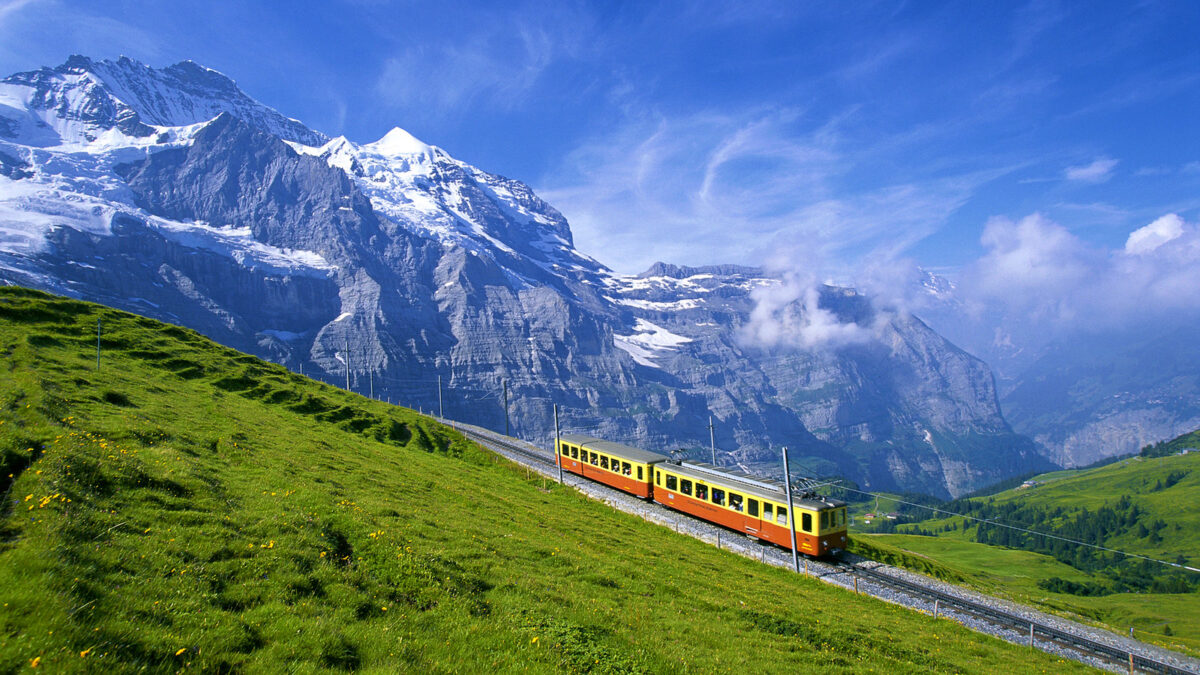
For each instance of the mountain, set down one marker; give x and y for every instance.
(1086, 394)
(1094, 397)
(417, 278)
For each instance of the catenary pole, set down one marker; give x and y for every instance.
(787, 482)
(712, 440)
(441, 412)
(346, 344)
(506, 408)
(557, 445)
(97, 344)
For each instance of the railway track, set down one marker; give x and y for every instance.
(1086, 647)
(1108, 653)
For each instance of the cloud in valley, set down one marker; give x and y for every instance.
(789, 314)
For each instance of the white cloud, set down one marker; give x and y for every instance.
(1098, 171)
(1145, 240)
(1041, 277)
(789, 314)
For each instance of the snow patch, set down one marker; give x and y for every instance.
(648, 342)
(678, 305)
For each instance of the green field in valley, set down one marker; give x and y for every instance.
(188, 507)
(1163, 490)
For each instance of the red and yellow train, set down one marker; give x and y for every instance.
(752, 506)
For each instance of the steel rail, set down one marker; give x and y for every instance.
(999, 617)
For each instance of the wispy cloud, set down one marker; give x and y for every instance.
(497, 63)
(1098, 171)
(743, 186)
(60, 26)
(10, 7)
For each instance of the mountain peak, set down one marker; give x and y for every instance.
(399, 142)
(84, 97)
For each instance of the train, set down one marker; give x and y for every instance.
(750, 505)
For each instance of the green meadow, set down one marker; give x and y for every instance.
(190, 508)
(1165, 491)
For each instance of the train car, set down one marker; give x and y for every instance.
(752, 506)
(621, 466)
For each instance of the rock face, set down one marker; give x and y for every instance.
(391, 264)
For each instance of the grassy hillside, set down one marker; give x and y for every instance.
(190, 507)
(1154, 499)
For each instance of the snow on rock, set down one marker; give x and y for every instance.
(648, 341)
(239, 244)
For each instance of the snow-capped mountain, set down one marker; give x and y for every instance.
(171, 193)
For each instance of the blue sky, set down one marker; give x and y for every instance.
(836, 135)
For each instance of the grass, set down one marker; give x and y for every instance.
(1014, 573)
(188, 507)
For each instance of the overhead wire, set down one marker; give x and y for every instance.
(1018, 528)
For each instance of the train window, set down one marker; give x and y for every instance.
(841, 517)
(640, 474)
(574, 453)
(626, 469)
(701, 491)
(595, 459)
(685, 486)
(768, 511)
(824, 520)
(658, 478)
(603, 462)
(718, 497)
(781, 516)
(806, 522)
(752, 508)
(735, 501)
(670, 482)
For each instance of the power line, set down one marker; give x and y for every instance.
(1019, 529)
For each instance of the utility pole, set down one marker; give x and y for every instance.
(557, 445)
(371, 379)
(506, 408)
(787, 482)
(346, 344)
(441, 412)
(712, 440)
(97, 343)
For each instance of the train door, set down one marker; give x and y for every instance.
(753, 522)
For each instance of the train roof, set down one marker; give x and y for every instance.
(615, 449)
(763, 488)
